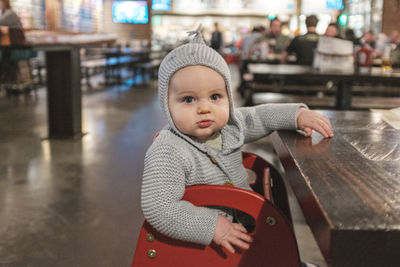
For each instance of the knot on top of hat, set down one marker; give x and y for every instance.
(198, 38)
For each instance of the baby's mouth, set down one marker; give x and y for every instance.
(204, 123)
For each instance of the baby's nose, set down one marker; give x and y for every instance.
(203, 108)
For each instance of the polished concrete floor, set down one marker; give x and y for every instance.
(76, 202)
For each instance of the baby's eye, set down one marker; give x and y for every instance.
(215, 97)
(188, 99)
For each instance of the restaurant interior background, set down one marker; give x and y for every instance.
(168, 20)
(72, 195)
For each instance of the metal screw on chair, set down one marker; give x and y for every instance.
(151, 253)
(271, 220)
(150, 237)
(228, 183)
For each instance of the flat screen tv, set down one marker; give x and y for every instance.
(161, 5)
(334, 4)
(130, 12)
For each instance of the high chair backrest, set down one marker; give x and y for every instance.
(274, 241)
(273, 188)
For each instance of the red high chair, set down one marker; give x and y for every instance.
(274, 241)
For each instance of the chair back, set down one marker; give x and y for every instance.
(273, 187)
(274, 241)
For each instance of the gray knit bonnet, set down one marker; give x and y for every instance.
(195, 52)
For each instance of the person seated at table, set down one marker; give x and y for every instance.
(350, 35)
(277, 41)
(396, 56)
(368, 39)
(332, 31)
(394, 37)
(244, 49)
(274, 42)
(394, 41)
(303, 46)
(7, 16)
(384, 44)
(14, 61)
(249, 40)
(201, 144)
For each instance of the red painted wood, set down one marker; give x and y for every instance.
(274, 245)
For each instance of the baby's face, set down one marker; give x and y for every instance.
(198, 101)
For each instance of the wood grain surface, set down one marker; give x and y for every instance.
(348, 187)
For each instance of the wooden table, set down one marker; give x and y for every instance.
(344, 80)
(64, 99)
(348, 187)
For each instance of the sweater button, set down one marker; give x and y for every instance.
(213, 160)
(228, 183)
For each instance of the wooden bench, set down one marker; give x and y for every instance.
(92, 66)
(148, 66)
(328, 102)
(101, 60)
(151, 67)
(111, 66)
(252, 88)
(377, 90)
(365, 96)
(266, 77)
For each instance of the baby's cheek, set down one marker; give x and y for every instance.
(182, 124)
(226, 116)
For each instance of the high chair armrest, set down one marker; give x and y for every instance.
(226, 196)
(274, 243)
(274, 240)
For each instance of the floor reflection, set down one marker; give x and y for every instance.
(74, 202)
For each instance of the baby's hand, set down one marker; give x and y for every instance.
(308, 120)
(228, 234)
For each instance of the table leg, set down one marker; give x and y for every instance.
(343, 95)
(64, 100)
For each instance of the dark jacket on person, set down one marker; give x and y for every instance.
(216, 40)
(304, 46)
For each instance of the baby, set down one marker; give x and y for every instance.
(201, 144)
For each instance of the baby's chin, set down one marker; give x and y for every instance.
(203, 137)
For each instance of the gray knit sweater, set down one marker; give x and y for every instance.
(174, 162)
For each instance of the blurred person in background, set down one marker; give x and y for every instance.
(271, 44)
(368, 39)
(394, 39)
(7, 16)
(244, 49)
(249, 40)
(216, 38)
(14, 63)
(349, 35)
(332, 31)
(385, 44)
(303, 46)
(276, 40)
(396, 57)
(381, 43)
